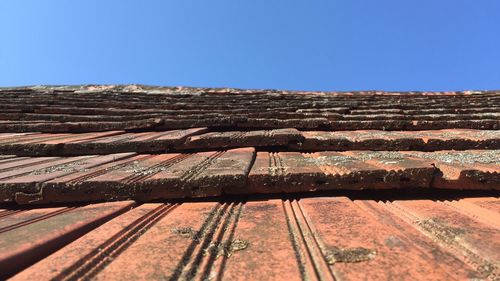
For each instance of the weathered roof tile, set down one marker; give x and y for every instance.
(232, 177)
(319, 238)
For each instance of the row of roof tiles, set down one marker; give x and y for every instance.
(308, 239)
(230, 123)
(115, 113)
(76, 112)
(67, 144)
(305, 239)
(188, 101)
(239, 171)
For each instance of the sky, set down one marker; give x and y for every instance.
(330, 45)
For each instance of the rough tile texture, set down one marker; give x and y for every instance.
(27, 180)
(202, 139)
(102, 108)
(318, 238)
(432, 140)
(225, 184)
(84, 143)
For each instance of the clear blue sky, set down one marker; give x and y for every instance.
(285, 44)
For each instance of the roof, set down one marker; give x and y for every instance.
(318, 238)
(173, 182)
(36, 180)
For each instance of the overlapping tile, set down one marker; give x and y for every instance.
(239, 171)
(95, 143)
(455, 139)
(53, 110)
(124, 176)
(460, 234)
(20, 247)
(300, 172)
(262, 138)
(26, 175)
(471, 169)
(106, 143)
(320, 238)
(356, 240)
(203, 139)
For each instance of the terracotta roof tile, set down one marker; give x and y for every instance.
(200, 139)
(53, 228)
(237, 184)
(239, 171)
(456, 139)
(50, 110)
(270, 239)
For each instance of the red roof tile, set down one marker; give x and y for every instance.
(71, 110)
(199, 139)
(398, 173)
(34, 233)
(311, 238)
(239, 171)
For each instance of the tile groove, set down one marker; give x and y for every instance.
(7, 213)
(233, 215)
(76, 161)
(230, 238)
(218, 227)
(156, 168)
(30, 164)
(304, 261)
(110, 169)
(36, 219)
(199, 168)
(475, 212)
(212, 219)
(461, 250)
(314, 241)
(90, 265)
